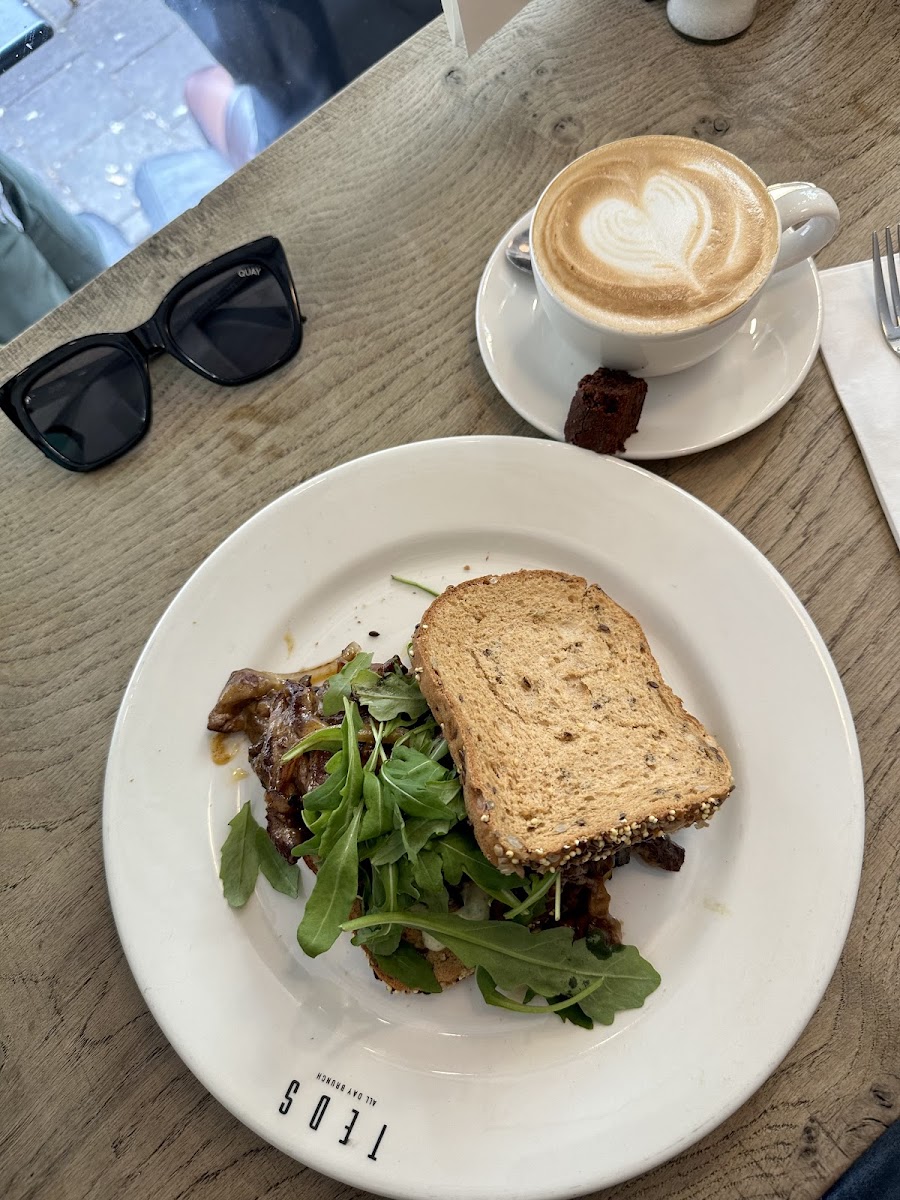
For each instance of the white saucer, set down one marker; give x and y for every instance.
(741, 386)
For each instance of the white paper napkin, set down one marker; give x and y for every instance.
(472, 22)
(866, 376)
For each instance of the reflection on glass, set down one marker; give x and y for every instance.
(131, 111)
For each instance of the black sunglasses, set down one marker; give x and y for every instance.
(232, 321)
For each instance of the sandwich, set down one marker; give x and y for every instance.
(463, 814)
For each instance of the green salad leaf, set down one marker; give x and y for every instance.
(328, 794)
(248, 850)
(410, 967)
(547, 961)
(282, 875)
(384, 895)
(352, 723)
(409, 839)
(406, 884)
(329, 737)
(379, 818)
(412, 583)
(419, 786)
(539, 886)
(427, 871)
(240, 858)
(489, 991)
(389, 697)
(462, 856)
(332, 898)
(339, 686)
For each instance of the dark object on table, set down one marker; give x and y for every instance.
(232, 321)
(21, 31)
(605, 410)
(875, 1175)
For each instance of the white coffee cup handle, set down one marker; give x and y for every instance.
(809, 220)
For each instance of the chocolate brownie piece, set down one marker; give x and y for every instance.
(605, 410)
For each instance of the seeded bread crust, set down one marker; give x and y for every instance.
(569, 742)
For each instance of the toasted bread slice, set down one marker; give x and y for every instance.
(568, 741)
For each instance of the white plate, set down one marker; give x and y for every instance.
(744, 384)
(469, 1101)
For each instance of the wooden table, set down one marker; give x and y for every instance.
(388, 201)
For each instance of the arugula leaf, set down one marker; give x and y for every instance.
(332, 897)
(282, 875)
(329, 737)
(380, 941)
(563, 1007)
(387, 879)
(427, 871)
(406, 884)
(540, 886)
(421, 738)
(379, 818)
(548, 961)
(408, 775)
(439, 749)
(328, 794)
(387, 698)
(574, 1013)
(353, 785)
(560, 1004)
(445, 790)
(629, 980)
(411, 967)
(598, 945)
(417, 834)
(316, 823)
(412, 583)
(376, 752)
(396, 723)
(437, 901)
(462, 856)
(339, 685)
(384, 939)
(334, 830)
(240, 858)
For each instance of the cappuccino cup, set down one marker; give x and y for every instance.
(650, 253)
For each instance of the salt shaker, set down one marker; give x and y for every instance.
(711, 20)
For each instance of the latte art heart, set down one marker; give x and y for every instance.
(662, 236)
(655, 234)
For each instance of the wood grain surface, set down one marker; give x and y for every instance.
(388, 201)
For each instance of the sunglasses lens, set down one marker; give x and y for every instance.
(92, 406)
(236, 324)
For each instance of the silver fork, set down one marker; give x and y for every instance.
(888, 313)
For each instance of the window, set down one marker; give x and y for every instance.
(117, 115)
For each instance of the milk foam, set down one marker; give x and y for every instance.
(661, 236)
(655, 233)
